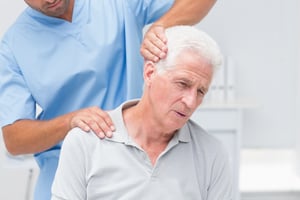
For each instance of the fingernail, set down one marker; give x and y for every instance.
(112, 128)
(162, 55)
(100, 135)
(87, 129)
(108, 134)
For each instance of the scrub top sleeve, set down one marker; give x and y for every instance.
(148, 11)
(70, 180)
(221, 177)
(16, 101)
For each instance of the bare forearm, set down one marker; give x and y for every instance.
(186, 12)
(33, 136)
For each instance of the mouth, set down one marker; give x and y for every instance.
(52, 5)
(181, 114)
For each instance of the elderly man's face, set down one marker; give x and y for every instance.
(176, 93)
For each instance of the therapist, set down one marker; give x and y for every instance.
(72, 57)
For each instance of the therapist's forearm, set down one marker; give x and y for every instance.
(186, 12)
(33, 136)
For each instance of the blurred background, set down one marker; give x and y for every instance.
(253, 105)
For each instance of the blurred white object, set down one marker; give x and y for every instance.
(268, 171)
(24, 168)
(230, 80)
(222, 89)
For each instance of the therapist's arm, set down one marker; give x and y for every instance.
(183, 12)
(34, 136)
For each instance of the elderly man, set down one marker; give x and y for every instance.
(157, 152)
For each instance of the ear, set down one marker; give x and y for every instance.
(149, 71)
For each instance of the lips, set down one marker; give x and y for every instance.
(181, 114)
(54, 4)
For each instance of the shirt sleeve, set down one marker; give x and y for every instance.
(221, 177)
(70, 180)
(16, 101)
(148, 11)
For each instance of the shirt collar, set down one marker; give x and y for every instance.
(121, 134)
(41, 17)
(184, 134)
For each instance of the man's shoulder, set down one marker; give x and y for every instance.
(202, 136)
(197, 131)
(77, 135)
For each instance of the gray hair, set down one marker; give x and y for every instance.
(184, 38)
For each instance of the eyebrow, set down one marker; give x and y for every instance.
(186, 80)
(190, 82)
(204, 89)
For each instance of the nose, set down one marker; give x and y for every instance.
(191, 99)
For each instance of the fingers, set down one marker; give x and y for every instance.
(154, 46)
(93, 119)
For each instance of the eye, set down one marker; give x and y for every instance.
(182, 84)
(201, 92)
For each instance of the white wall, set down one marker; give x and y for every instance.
(9, 10)
(260, 36)
(298, 97)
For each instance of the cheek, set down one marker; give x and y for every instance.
(199, 102)
(160, 89)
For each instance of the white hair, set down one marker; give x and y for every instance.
(184, 38)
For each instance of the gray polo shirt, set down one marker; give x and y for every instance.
(194, 166)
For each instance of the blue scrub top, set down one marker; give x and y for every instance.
(63, 66)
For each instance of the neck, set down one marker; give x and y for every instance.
(145, 131)
(68, 15)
